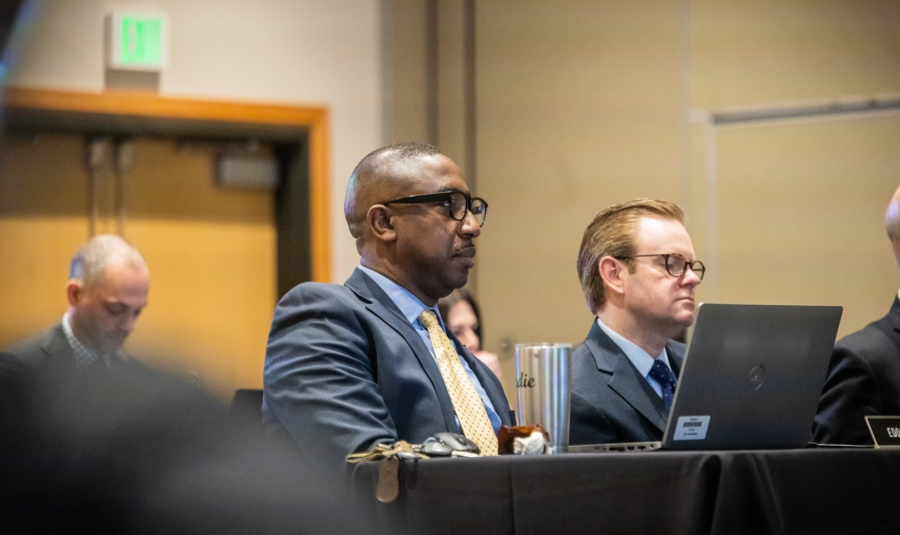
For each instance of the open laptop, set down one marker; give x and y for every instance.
(751, 379)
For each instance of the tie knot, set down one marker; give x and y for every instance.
(662, 374)
(428, 320)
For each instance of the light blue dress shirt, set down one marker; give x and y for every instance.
(640, 358)
(411, 308)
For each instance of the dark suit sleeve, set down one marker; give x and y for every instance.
(319, 377)
(850, 393)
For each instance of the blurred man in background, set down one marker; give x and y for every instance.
(864, 375)
(107, 290)
(638, 273)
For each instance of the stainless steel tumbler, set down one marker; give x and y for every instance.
(543, 387)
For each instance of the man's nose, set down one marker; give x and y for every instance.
(469, 225)
(690, 277)
(127, 323)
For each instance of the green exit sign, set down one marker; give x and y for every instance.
(137, 41)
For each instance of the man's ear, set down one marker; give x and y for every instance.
(379, 220)
(74, 291)
(612, 272)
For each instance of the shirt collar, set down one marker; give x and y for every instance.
(84, 356)
(410, 306)
(640, 358)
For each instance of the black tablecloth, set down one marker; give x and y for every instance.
(725, 492)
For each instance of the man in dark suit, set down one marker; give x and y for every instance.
(107, 290)
(638, 274)
(348, 367)
(864, 374)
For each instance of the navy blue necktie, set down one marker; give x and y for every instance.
(661, 373)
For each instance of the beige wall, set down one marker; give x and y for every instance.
(792, 211)
(578, 108)
(582, 104)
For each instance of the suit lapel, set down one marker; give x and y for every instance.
(676, 357)
(384, 308)
(625, 380)
(57, 348)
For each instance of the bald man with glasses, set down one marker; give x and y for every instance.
(368, 362)
(638, 274)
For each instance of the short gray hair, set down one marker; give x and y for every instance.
(89, 263)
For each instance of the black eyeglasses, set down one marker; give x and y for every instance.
(458, 202)
(676, 265)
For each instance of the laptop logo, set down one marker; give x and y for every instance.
(757, 377)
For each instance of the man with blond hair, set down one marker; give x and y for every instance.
(864, 375)
(638, 274)
(107, 290)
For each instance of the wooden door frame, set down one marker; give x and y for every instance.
(308, 122)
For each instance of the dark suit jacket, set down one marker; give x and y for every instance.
(611, 401)
(345, 370)
(863, 379)
(45, 353)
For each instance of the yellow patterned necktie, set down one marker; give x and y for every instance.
(466, 402)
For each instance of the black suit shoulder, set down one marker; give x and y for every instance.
(47, 352)
(863, 379)
(29, 350)
(321, 301)
(330, 308)
(874, 339)
(314, 292)
(46, 349)
(29, 363)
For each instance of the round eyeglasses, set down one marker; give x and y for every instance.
(458, 203)
(676, 265)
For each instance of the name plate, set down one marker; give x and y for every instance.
(885, 430)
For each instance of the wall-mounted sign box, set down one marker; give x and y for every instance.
(137, 41)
